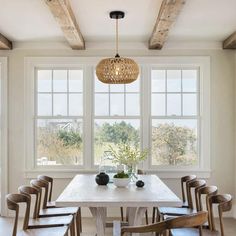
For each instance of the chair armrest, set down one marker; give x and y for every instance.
(157, 227)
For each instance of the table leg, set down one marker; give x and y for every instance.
(139, 215)
(131, 214)
(135, 215)
(99, 213)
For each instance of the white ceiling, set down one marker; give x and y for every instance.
(200, 20)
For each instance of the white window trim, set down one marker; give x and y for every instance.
(203, 62)
(4, 133)
(38, 117)
(196, 117)
(122, 117)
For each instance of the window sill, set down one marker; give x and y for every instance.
(176, 174)
(58, 173)
(70, 173)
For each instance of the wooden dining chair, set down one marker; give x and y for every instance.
(48, 203)
(178, 211)
(206, 191)
(139, 172)
(224, 202)
(184, 181)
(38, 212)
(194, 220)
(13, 201)
(46, 222)
(41, 216)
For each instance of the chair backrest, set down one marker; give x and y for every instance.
(41, 184)
(28, 190)
(50, 181)
(187, 221)
(193, 184)
(224, 202)
(13, 201)
(207, 191)
(184, 180)
(141, 172)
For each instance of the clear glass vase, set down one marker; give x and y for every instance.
(132, 172)
(107, 166)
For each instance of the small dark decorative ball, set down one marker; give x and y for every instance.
(102, 178)
(139, 183)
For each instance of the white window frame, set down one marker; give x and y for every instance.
(203, 169)
(146, 63)
(196, 117)
(123, 117)
(52, 117)
(31, 64)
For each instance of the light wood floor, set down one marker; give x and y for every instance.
(89, 227)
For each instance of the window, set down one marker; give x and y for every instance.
(59, 117)
(175, 117)
(71, 118)
(117, 116)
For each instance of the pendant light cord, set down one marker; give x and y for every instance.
(117, 54)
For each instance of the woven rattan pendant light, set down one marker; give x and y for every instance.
(117, 70)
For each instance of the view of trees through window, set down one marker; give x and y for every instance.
(112, 133)
(59, 142)
(174, 142)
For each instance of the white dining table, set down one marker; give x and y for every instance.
(83, 191)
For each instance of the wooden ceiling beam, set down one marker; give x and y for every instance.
(167, 15)
(63, 14)
(230, 42)
(5, 44)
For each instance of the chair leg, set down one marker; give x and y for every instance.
(146, 216)
(80, 220)
(72, 228)
(78, 224)
(166, 233)
(122, 213)
(153, 215)
(158, 217)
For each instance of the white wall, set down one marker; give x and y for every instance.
(222, 113)
(235, 138)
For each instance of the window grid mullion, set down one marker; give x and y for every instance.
(52, 93)
(125, 112)
(181, 94)
(173, 92)
(166, 92)
(60, 92)
(109, 100)
(116, 92)
(67, 82)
